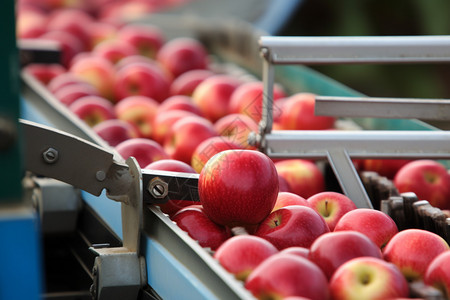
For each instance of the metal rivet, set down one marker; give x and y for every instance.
(100, 175)
(158, 188)
(50, 155)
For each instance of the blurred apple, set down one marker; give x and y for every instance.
(115, 131)
(241, 254)
(69, 44)
(287, 198)
(180, 102)
(331, 206)
(237, 127)
(93, 109)
(186, 83)
(185, 135)
(73, 21)
(196, 223)
(164, 120)
(283, 275)
(100, 32)
(238, 187)
(248, 98)
(147, 39)
(294, 225)
(384, 167)
(70, 93)
(64, 79)
(331, 250)
(303, 176)
(143, 79)
(145, 151)
(183, 54)
(97, 71)
(368, 278)
(412, 250)
(31, 22)
(298, 114)
(139, 111)
(375, 224)
(210, 147)
(213, 95)
(172, 165)
(283, 185)
(428, 179)
(437, 273)
(114, 50)
(44, 72)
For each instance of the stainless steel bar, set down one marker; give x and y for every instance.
(350, 182)
(356, 49)
(397, 108)
(359, 144)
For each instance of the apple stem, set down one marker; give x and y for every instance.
(239, 230)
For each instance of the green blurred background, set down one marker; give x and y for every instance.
(379, 17)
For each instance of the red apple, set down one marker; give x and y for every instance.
(375, 224)
(238, 187)
(180, 102)
(368, 278)
(100, 32)
(139, 111)
(437, 273)
(114, 50)
(247, 100)
(163, 122)
(115, 131)
(300, 251)
(31, 22)
(143, 79)
(132, 59)
(287, 198)
(294, 225)
(183, 54)
(283, 275)
(70, 93)
(303, 176)
(210, 147)
(331, 250)
(186, 83)
(384, 167)
(241, 254)
(69, 44)
(63, 80)
(196, 223)
(44, 72)
(331, 206)
(97, 71)
(213, 95)
(237, 127)
(143, 150)
(298, 114)
(412, 250)
(73, 21)
(93, 109)
(172, 165)
(147, 39)
(185, 135)
(428, 179)
(283, 185)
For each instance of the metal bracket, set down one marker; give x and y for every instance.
(340, 147)
(119, 273)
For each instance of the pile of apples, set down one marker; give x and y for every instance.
(269, 222)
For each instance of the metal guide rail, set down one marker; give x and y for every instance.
(340, 147)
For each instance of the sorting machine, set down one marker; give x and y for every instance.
(81, 223)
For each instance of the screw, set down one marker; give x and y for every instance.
(100, 175)
(158, 188)
(50, 155)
